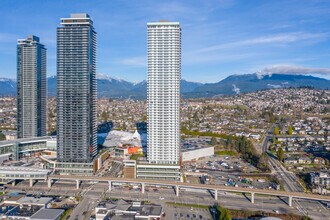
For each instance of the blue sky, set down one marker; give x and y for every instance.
(219, 37)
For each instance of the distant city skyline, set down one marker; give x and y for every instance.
(221, 38)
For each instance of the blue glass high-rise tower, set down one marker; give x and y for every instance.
(76, 93)
(31, 88)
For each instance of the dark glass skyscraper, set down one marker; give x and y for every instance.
(76, 92)
(31, 88)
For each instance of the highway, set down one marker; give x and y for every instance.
(288, 179)
(92, 193)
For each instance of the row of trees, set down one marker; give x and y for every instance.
(245, 147)
(277, 130)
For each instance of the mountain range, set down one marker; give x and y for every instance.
(108, 87)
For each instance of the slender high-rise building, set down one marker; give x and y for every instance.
(76, 95)
(164, 68)
(164, 73)
(31, 88)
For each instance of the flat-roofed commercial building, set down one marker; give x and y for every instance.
(196, 153)
(25, 147)
(158, 172)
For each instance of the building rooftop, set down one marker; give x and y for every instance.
(27, 140)
(79, 15)
(47, 214)
(115, 138)
(146, 210)
(34, 201)
(24, 210)
(123, 217)
(77, 19)
(28, 40)
(163, 22)
(24, 170)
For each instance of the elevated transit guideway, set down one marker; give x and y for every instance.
(178, 185)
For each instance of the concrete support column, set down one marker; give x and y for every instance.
(110, 185)
(142, 187)
(252, 197)
(77, 184)
(13, 183)
(49, 183)
(31, 182)
(290, 201)
(216, 194)
(177, 189)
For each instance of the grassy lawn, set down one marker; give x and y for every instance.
(188, 205)
(136, 156)
(66, 214)
(225, 152)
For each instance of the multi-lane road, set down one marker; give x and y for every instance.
(288, 179)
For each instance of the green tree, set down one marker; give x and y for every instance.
(196, 116)
(2, 137)
(263, 162)
(214, 141)
(280, 154)
(105, 116)
(124, 127)
(290, 130)
(276, 131)
(274, 140)
(224, 214)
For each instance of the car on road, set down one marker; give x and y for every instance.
(161, 198)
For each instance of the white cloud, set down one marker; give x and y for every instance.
(273, 39)
(288, 69)
(236, 89)
(139, 61)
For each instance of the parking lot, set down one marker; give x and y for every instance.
(225, 170)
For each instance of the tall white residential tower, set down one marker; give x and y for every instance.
(164, 73)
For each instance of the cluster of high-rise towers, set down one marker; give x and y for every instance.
(76, 96)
